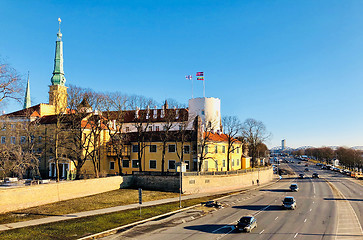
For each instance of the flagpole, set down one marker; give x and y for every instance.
(192, 88)
(204, 87)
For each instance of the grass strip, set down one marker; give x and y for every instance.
(114, 198)
(77, 228)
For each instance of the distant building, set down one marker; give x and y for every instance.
(283, 144)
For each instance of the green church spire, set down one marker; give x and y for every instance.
(58, 73)
(27, 102)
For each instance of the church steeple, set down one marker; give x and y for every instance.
(27, 102)
(57, 91)
(58, 73)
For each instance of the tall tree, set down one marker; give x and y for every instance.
(255, 133)
(232, 127)
(10, 83)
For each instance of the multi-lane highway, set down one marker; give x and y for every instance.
(327, 208)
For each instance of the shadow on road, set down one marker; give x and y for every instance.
(275, 190)
(260, 207)
(339, 199)
(213, 228)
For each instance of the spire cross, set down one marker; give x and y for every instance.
(59, 35)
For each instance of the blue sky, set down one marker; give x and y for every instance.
(297, 66)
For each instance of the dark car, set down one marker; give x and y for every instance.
(306, 169)
(298, 162)
(246, 223)
(301, 175)
(315, 175)
(294, 187)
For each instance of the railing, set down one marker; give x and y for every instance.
(234, 172)
(111, 151)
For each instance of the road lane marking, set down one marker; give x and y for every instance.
(225, 226)
(261, 210)
(310, 209)
(296, 235)
(262, 231)
(305, 220)
(276, 218)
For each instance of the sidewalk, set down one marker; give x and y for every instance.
(52, 219)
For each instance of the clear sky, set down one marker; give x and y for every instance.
(297, 66)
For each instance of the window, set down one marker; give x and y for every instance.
(216, 150)
(187, 149)
(223, 149)
(224, 163)
(126, 163)
(232, 162)
(127, 129)
(51, 150)
(157, 128)
(171, 165)
(22, 139)
(12, 126)
(12, 140)
(237, 150)
(112, 165)
(152, 164)
(186, 165)
(202, 112)
(150, 128)
(237, 162)
(216, 165)
(171, 147)
(135, 163)
(3, 140)
(152, 148)
(39, 139)
(135, 148)
(206, 149)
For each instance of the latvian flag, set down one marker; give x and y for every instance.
(189, 77)
(200, 76)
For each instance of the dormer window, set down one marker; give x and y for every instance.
(162, 113)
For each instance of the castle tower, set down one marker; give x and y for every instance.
(209, 110)
(58, 91)
(27, 101)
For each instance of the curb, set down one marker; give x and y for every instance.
(115, 230)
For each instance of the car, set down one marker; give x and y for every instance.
(315, 175)
(289, 203)
(306, 165)
(301, 176)
(294, 187)
(306, 169)
(298, 162)
(246, 223)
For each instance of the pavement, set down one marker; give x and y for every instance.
(65, 217)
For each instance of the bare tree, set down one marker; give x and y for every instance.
(142, 121)
(114, 118)
(255, 133)
(10, 83)
(232, 128)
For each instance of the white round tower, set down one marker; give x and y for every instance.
(209, 109)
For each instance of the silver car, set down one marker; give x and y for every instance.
(289, 203)
(246, 223)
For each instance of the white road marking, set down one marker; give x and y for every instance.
(263, 209)
(296, 235)
(276, 218)
(310, 209)
(305, 220)
(262, 231)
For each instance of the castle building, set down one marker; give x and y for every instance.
(84, 142)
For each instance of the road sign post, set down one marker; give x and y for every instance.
(181, 167)
(140, 199)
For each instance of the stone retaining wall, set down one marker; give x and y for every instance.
(29, 196)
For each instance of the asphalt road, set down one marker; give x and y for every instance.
(321, 213)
